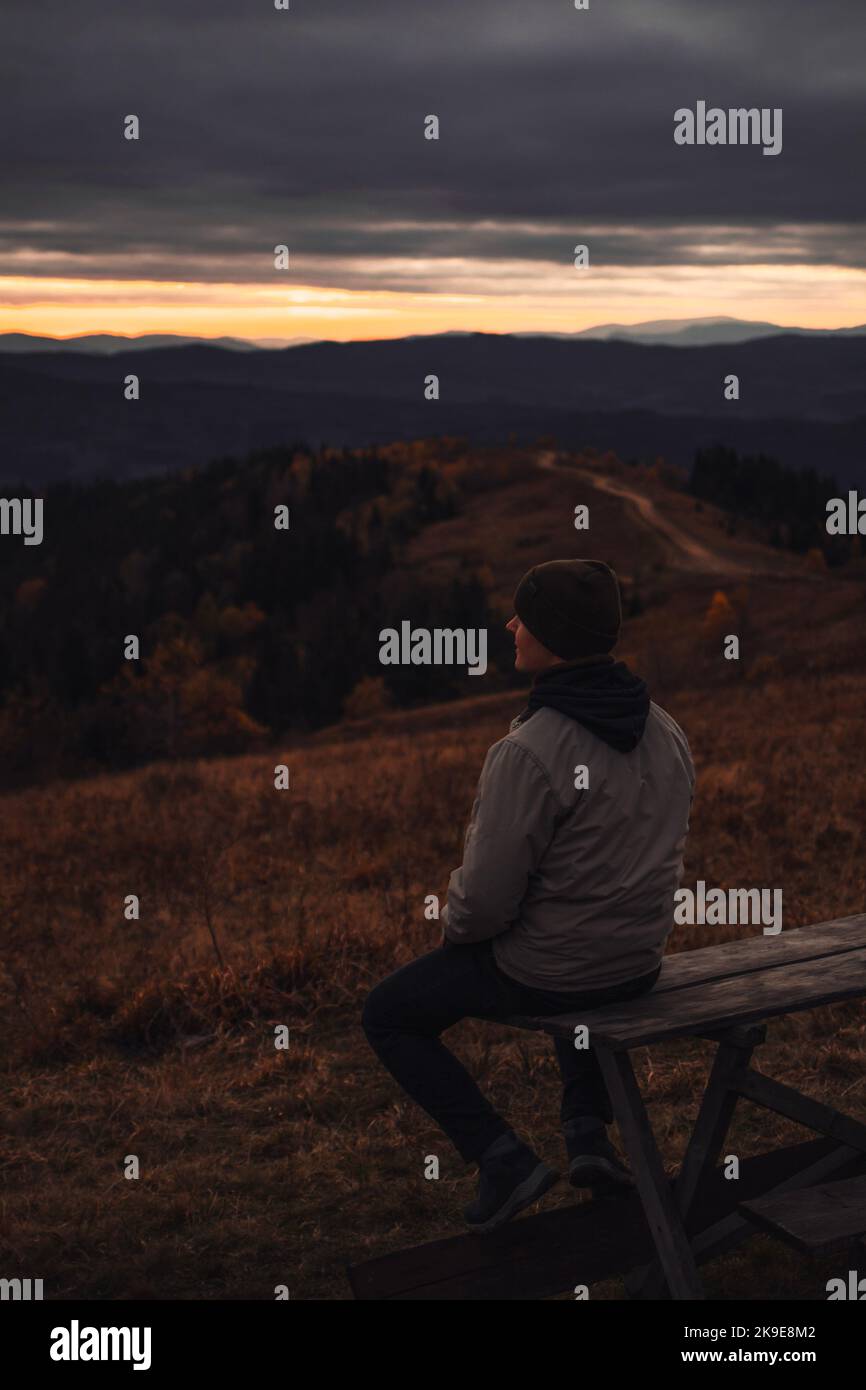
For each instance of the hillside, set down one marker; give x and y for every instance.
(63, 414)
(155, 1036)
(228, 608)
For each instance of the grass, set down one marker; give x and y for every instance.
(154, 1036)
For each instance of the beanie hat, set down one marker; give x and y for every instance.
(572, 607)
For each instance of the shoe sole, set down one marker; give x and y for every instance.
(598, 1173)
(527, 1192)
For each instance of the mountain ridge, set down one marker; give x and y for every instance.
(801, 400)
(702, 331)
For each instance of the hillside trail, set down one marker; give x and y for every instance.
(683, 551)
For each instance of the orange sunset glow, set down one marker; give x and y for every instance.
(519, 296)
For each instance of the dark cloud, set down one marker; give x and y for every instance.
(305, 127)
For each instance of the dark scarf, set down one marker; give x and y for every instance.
(604, 696)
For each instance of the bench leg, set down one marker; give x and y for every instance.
(784, 1100)
(670, 1239)
(711, 1127)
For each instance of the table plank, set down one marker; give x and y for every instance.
(685, 969)
(787, 987)
(747, 954)
(819, 1221)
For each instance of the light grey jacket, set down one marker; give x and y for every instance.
(576, 887)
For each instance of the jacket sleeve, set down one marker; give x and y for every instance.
(513, 820)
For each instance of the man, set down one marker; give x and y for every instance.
(565, 897)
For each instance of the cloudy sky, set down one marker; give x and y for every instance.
(306, 127)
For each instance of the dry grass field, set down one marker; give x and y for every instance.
(155, 1037)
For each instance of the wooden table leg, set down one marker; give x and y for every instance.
(711, 1126)
(784, 1100)
(662, 1216)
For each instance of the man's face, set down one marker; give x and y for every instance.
(529, 655)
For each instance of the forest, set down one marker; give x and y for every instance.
(246, 631)
(788, 503)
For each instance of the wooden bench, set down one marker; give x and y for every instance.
(550, 1253)
(821, 1221)
(721, 993)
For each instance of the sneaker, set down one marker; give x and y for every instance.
(593, 1161)
(512, 1177)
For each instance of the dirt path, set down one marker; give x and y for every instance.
(683, 551)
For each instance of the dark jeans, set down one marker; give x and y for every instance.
(404, 1015)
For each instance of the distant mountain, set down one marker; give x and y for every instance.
(111, 343)
(698, 332)
(63, 414)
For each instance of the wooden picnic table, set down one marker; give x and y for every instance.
(722, 993)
